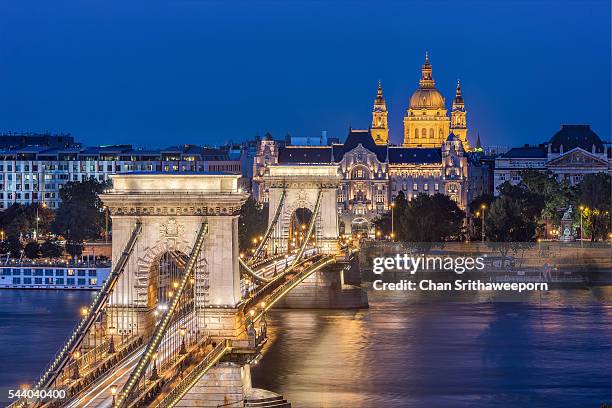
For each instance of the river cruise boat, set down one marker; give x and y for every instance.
(87, 276)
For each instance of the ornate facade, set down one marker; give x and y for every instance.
(380, 123)
(572, 152)
(426, 123)
(372, 175)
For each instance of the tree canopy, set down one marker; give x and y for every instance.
(594, 194)
(79, 216)
(253, 222)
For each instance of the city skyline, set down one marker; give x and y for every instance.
(143, 82)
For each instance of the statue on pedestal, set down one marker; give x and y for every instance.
(567, 233)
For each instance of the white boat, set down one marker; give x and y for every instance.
(53, 276)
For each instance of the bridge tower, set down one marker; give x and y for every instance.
(298, 188)
(171, 209)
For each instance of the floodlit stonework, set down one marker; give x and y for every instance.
(172, 208)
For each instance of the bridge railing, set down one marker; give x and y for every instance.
(212, 358)
(271, 226)
(271, 295)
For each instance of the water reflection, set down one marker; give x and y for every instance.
(546, 351)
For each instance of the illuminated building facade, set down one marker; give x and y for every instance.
(570, 154)
(426, 123)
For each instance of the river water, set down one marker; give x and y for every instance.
(551, 350)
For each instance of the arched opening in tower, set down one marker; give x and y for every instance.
(164, 281)
(298, 227)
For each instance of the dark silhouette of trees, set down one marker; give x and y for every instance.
(253, 222)
(80, 215)
(594, 193)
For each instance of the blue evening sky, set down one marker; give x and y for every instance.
(161, 72)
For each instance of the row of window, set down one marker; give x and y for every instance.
(47, 272)
(55, 281)
(423, 133)
(415, 186)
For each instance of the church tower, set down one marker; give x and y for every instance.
(380, 127)
(426, 123)
(458, 117)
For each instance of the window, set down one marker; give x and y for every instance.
(425, 186)
(81, 281)
(423, 133)
(431, 133)
(16, 281)
(81, 273)
(27, 272)
(6, 272)
(48, 281)
(38, 272)
(416, 133)
(59, 281)
(436, 187)
(70, 272)
(93, 281)
(48, 272)
(92, 272)
(59, 272)
(415, 186)
(38, 281)
(70, 281)
(16, 271)
(27, 281)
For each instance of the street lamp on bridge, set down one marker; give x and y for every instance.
(113, 391)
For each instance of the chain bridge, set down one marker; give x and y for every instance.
(182, 316)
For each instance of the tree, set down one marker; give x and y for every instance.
(50, 249)
(556, 196)
(13, 246)
(531, 203)
(382, 224)
(20, 220)
(594, 194)
(431, 219)
(32, 250)
(398, 207)
(253, 222)
(475, 208)
(507, 226)
(80, 214)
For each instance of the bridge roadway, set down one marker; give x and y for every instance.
(98, 394)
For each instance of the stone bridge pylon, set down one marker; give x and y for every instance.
(297, 188)
(171, 209)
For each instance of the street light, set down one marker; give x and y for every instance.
(483, 207)
(111, 345)
(183, 332)
(392, 226)
(105, 224)
(154, 374)
(76, 355)
(113, 391)
(582, 208)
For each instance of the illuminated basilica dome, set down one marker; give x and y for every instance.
(426, 96)
(426, 123)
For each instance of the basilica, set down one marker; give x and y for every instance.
(435, 157)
